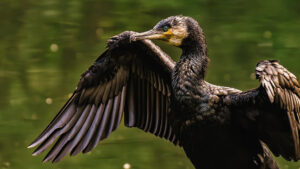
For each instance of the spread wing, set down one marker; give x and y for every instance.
(274, 109)
(130, 78)
(283, 92)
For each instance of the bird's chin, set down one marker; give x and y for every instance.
(175, 42)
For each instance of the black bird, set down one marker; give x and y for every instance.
(218, 127)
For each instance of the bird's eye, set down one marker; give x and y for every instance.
(166, 28)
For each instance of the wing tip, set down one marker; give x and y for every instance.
(75, 152)
(35, 153)
(34, 143)
(47, 159)
(31, 145)
(56, 160)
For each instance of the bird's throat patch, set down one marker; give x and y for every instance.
(175, 35)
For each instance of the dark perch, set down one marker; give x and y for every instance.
(218, 127)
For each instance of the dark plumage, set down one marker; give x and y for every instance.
(218, 127)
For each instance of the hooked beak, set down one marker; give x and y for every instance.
(151, 34)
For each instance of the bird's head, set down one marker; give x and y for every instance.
(173, 30)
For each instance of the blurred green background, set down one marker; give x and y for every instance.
(46, 44)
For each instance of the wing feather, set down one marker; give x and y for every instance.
(133, 79)
(59, 121)
(82, 114)
(282, 89)
(91, 129)
(94, 134)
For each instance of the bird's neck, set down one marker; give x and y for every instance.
(189, 72)
(194, 59)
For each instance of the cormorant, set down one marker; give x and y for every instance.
(218, 127)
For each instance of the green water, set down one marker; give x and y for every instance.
(46, 44)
